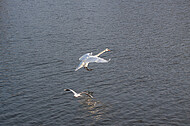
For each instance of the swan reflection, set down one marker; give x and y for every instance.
(95, 108)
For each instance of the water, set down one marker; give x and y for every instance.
(146, 82)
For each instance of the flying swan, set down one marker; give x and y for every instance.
(89, 58)
(80, 94)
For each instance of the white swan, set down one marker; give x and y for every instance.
(80, 94)
(89, 58)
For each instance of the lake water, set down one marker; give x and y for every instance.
(147, 81)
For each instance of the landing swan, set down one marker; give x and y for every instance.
(89, 58)
(80, 94)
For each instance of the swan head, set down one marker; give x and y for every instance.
(107, 49)
(67, 90)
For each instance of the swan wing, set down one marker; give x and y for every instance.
(85, 56)
(96, 59)
(80, 65)
(86, 93)
(101, 60)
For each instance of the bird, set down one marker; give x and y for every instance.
(80, 94)
(89, 58)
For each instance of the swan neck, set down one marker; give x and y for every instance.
(101, 53)
(73, 92)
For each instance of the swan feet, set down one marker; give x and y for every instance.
(88, 69)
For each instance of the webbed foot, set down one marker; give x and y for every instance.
(88, 69)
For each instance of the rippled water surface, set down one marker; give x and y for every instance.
(147, 81)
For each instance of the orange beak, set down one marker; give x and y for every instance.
(109, 50)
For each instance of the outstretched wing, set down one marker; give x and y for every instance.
(96, 59)
(85, 56)
(80, 65)
(101, 60)
(86, 93)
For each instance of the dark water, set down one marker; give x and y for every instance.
(147, 82)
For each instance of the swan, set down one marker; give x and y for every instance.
(89, 58)
(80, 94)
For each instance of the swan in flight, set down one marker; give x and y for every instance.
(89, 58)
(80, 94)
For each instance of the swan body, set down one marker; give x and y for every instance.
(80, 94)
(89, 58)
